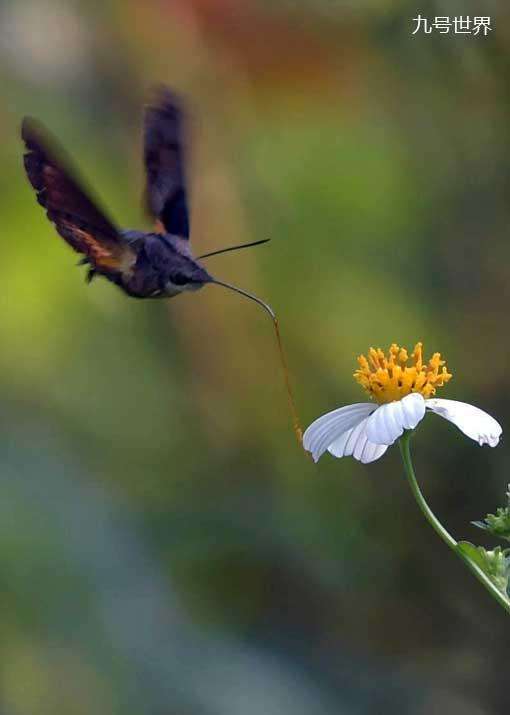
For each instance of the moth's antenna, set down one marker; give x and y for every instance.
(234, 248)
(298, 431)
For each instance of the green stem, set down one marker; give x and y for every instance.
(439, 528)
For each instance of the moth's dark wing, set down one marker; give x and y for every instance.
(164, 158)
(76, 217)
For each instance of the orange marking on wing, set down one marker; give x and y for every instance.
(86, 243)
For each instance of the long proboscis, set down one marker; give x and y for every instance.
(233, 248)
(266, 306)
(298, 431)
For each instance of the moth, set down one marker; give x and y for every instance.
(156, 264)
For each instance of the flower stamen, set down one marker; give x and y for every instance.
(389, 378)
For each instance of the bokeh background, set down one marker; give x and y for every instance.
(165, 548)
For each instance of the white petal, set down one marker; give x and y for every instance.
(390, 420)
(355, 442)
(475, 423)
(321, 433)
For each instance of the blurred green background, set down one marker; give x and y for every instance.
(165, 548)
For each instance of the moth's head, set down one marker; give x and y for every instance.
(187, 275)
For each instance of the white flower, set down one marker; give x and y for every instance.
(365, 430)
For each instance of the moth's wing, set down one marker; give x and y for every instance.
(76, 217)
(166, 192)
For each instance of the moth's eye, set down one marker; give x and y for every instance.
(179, 279)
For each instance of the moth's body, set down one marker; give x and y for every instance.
(159, 266)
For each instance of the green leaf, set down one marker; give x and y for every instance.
(495, 564)
(497, 524)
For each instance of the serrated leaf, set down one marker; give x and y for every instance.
(495, 564)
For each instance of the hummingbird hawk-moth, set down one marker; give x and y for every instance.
(156, 264)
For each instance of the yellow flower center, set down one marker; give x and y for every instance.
(391, 378)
